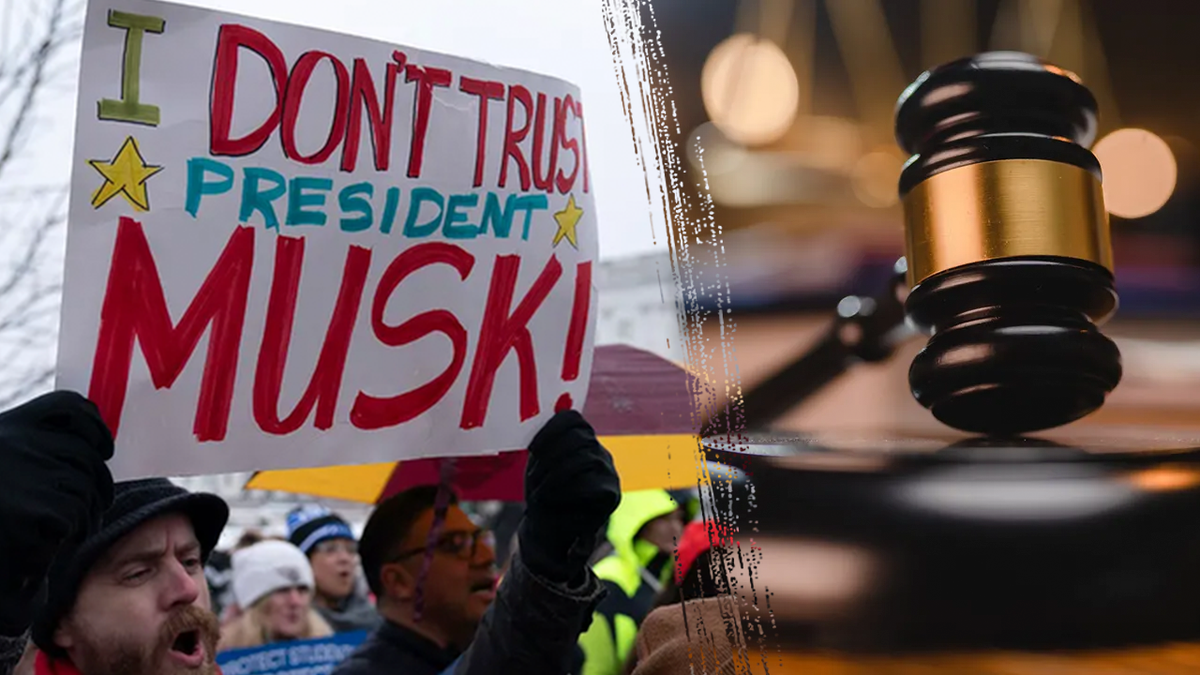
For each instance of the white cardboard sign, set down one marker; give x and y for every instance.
(293, 248)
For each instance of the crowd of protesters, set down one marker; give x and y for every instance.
(108, 579)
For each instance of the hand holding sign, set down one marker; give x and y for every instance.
(571, 488)
(319, 249)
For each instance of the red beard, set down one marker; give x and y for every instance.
(127, 659)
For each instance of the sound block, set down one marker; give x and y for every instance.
(897, 543)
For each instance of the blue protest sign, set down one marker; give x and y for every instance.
(302, 657)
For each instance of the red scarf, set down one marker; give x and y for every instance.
(44, 665)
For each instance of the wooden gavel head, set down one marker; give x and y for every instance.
(1008, 247)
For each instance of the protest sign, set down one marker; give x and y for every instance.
(293, 248)
(301, 657)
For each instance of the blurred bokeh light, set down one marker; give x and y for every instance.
(875, 177)
(750, 89)
(1139, 172)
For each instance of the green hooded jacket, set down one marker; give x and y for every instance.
(633, 572)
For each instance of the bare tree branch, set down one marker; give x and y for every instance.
(36, 68)
(37, 38)
(25, 266)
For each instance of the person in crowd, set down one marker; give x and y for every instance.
(689, 501)
(132, 597)
(274, 582)
(332, 551)
(225, 604)
(454, 584)
(439, 602)
(701, 638)
(641, 541)
(110, 579)
(698, 572)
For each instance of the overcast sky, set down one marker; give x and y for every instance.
(560, 38)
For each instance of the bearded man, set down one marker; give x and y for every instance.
(133, 598)
(110, 577)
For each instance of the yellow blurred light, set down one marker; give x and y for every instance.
(1165, 478)
(875, 178)
(750, 89)
(1139, 172)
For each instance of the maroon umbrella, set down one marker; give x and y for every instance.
(640, 404)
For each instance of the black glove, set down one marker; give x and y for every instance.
(54, 490)
(571, 488)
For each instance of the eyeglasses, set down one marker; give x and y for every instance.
(461, 544)
(330, 546)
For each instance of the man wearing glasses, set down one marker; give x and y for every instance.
(433, 571)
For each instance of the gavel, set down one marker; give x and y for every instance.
(1009, 255)
(1008, 259)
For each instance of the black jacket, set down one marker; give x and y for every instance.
(392, 648)
(531, 629)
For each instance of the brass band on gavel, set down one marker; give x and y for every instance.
(1003, 209)
(1009, 254)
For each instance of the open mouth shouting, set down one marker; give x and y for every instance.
(188, 649)
(190, 637)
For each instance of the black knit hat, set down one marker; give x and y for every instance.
(311, 524)
(134, 503)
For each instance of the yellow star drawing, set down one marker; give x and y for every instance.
(567, 219)
(125, 175)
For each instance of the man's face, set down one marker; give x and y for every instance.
(461, 579)
(664, 531)
(143, 609)
(333, 564)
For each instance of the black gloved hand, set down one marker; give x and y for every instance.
(571, 488)
(54, 490)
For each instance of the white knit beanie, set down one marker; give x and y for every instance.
(266, 567)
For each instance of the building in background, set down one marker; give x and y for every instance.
(638, 305)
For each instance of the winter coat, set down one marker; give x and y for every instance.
(530, 629)
(633, 572)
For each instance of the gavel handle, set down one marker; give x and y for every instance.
(865, 329)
